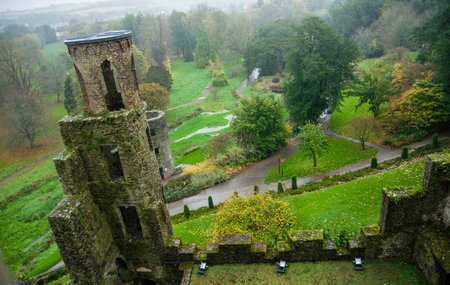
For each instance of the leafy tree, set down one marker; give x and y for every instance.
(268, 49)
(47, 34)
(368, 43)
(139, 62)
(363, 129)
(204, 51)
(182, 34)
(396, 25)
(70, 102)
(313, 140)
(219, 78)
(372, 87)
(266, 218)
(156, 96)
(320, 64)
(405, 73)
(24, 114)
(258, 124)
(349, 16)
(160, 75)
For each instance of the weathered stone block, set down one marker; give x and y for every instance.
(71, 172)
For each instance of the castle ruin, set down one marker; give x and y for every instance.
(112, 225)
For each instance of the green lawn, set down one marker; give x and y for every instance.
(197, 123)
(340, 119)
(351, 205)
(50, 51)
(192, 157)
(188, 82)
(311, 273)
(347, 206)
(24, 219)
(339, 153)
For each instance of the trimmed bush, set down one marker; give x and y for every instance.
(219, 78)
(210, 202)
(405, 153)
(294, 183)
(435, 141)
(256, 190)
(280, 188)
(187, 212)
(374, 163)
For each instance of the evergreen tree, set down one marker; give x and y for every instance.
(210, 202)
(186, 212)
(204, 51)
(69, 96)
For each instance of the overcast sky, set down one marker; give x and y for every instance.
(31, 4)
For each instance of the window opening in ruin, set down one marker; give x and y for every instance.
(131, 221)
(149, 138)
(147, 282)
(121, 264)
(157, 150)
(113, 97)
(153, 132)
(111, 154)
(161, 172)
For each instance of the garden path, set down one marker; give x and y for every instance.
(244, 182)
(205, 95)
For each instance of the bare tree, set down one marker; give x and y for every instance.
(363, 129)
(24, 114)
(15, 67)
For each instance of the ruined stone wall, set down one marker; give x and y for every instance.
(159, 136)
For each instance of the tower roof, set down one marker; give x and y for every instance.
(101, 37)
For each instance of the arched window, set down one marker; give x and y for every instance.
(113, 97)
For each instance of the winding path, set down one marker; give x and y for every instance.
(245, 181)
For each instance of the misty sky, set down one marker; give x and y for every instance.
(31, 4)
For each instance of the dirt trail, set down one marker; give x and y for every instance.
(193, 102)
(28, 167)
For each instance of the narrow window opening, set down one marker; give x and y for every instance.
(161, 172)
(113, 97)
(121, 264)
(149, 138)
(147, 282)
(111, 154)
(153, 132)
(131, 221)
(156, 150)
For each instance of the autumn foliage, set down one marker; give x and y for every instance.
(266, 218)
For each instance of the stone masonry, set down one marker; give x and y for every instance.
(112, 225)
(159, 135)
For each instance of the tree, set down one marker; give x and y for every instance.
(16, 67)
(368, 44)
(269, 48)
(160, 75)
(210, 202)
(186, 212)
(46, 34)
(24, 114)
(70, 103)
(372, 87)
(363, 129)
(139, 62)
(156, 96)
(258, 124)
(204, 50)
(219, 78)
(313, 140)
(320, 64)
(266, 218)
(349, 16)
(182, 34)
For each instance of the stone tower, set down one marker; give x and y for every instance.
(160, 142)
(112, 225)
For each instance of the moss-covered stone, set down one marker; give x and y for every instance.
(312, 235)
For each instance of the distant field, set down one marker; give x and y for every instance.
(339, 153)
(51, 50)
(311, 273)
(341, 118)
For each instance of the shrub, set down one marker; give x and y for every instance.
(266, 218)
(280, 188)
(156, 96)
(187, 212)
(405, 153)
(210, 202)
(256, 190)
(374, 162)
(219, 78)
(275, 79)
(159, 74)
(191, 184)
(294, 183)
(435, 141)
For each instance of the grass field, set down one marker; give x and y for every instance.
(188, 82)
(339, 153)
(311, 273)
(51, 50)
(341, 118)
(347, 206)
